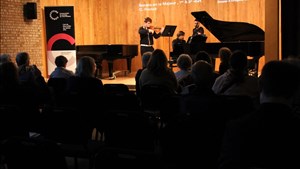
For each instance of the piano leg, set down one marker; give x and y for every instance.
(129, 64)
(253, 66)
(110, 69)
(98, 68)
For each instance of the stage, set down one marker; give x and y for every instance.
(121, 77)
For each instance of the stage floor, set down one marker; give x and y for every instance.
(124, 78)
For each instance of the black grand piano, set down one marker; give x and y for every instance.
(109, 52)
(234, 35)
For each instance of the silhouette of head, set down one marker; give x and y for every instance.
(22, 58)
(61, 61)
(184, 62)
(279, 79)
(238, 60)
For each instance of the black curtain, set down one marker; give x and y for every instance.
(290, 28)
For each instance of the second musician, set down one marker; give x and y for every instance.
(147, 33)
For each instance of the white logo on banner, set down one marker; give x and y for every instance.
(51, 15)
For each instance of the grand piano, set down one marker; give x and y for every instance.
(234, 35)
(109, 52)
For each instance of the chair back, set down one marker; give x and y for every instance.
(115, 89)
(33, 153)
(152, 96)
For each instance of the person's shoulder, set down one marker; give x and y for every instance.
(69, 71)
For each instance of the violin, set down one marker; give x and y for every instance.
(154, 28)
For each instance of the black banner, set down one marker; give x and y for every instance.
(60, 35)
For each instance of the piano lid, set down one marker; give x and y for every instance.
(230, 31)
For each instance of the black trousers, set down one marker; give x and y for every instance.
(146, 49)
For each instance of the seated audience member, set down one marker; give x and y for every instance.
(60, 70)
(5, 58)
(31, 77)
(236, 80)
(28, 73)
(184, 63)
(295, 61)
(85, 91)
(145, 58)
(9, 76)
(84, 82)
(11, 102)
(224, 54)
(202, 75)
(201, 55)
(158, 73)
(20, 100)
(267, 138)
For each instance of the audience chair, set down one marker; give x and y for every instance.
(20, 153)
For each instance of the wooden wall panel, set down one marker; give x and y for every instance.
(117, 21)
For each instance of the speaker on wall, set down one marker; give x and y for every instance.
(30, 11)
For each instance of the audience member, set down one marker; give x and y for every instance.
(85, 92)
(268, 138)
(184, 63)
(9, 75)
(31, 77)
(201, 55)
(236, 80)
(21, 101)
(84, 82)
(60, 70)
(28, 73)
(295, 61)
(5, 58)
(158, 73)
(224, 54)
(145, 59)
(202, 75)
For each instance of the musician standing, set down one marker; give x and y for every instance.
(147, 34)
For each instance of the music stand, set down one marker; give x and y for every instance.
(169, 32)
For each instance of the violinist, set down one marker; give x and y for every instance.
(147, 33)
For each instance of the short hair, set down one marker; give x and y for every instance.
(202, 73)
(184, 62)
(5, 58)
(238, 60)
(145, 58)
(148, 19)
(22, 58)
(61, 61)
(279, 79)
(85, 67)
(180, 33)
(202, 55)
(224, 54)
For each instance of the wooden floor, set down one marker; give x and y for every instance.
(121, 77)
